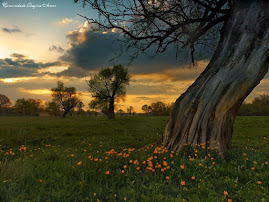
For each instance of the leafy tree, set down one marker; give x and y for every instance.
(53, 108)
(108, 87)
(80, 110)
(121, 112)
(147, 109)
(66, 97)
(258, 107)
(130, 110)
(161, 109)
(205, 113)
(4, 101)
(29, 107)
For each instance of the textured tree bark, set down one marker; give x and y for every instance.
(205, 113)
(111, 113)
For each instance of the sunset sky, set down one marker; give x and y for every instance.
(39, 46)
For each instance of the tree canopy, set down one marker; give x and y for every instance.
(108, 87)
(66, 97)
(4, 101)
(30, 107)
(160, 24)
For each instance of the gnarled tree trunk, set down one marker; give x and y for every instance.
(205, 113)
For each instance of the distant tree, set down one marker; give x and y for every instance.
(147, 109)
(161, 109)
(53, 108)
(262, 100)
(258, 107)
(4, 101)
(29, 107)
(66, 97)
(121, 112)
(80, 110)
(130, 110)
(108, 87)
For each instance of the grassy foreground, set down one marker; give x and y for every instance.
(95, 159)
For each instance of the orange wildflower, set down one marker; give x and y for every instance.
(193, 177)
(259, 182)
(162, 170)
(252, 168)
(40, 180)
(130, 161)
(182, 183)
(266, 163)
(72, 155)
(182, 167)
(122, 171)
(167, 177)
(225, 193)
(79, 163)
(230, 200)
(107, 172)
(124, 166)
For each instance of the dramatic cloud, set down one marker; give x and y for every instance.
(91, 50)
(12, 30)
(19, 65)
(56, 48)
(65, 21)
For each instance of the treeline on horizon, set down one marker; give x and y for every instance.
(36, 107)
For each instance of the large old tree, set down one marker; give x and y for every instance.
(205, 113)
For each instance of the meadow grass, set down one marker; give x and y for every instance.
(96, 159)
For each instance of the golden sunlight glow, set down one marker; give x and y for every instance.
(54, 69)
(19, 79)
(3, 54)
(36, 92)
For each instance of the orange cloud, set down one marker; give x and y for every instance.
(35, 92)
(65, 21)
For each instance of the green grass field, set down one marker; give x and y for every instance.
(95, 159)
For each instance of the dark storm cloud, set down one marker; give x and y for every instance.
(56, 48)
(73, 72)
(10, 31)
(93, 50)
(19, 65)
